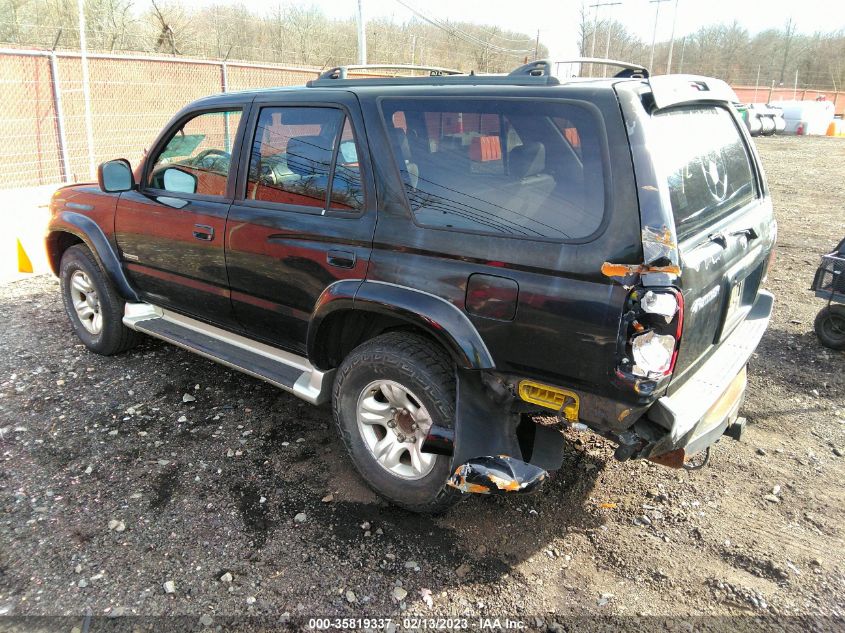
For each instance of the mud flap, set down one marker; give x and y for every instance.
(491, 447)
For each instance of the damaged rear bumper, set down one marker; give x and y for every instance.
(698, 413)
(493, 449)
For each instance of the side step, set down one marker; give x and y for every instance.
(283, 369)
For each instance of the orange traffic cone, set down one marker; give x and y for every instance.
(24, 263)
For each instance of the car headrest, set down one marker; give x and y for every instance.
(527, 160)
(400, 138)
(309, 155)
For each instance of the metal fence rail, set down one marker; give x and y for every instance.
(44, 106)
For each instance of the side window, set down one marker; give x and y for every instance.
(347, 191)
(198, 157)
(292, 157)
(521, 168)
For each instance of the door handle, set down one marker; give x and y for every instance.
(204, 232)
(341, 259)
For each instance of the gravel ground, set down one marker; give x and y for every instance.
(158, 483)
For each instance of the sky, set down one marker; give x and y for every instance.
(557, 19)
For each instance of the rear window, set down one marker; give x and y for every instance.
(511, 167)
(706, 164)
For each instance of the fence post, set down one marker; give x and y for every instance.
(86, 90)
(224, 84)
(60, 117)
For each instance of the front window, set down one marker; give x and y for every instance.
(198, 157)
(706, 164)
(511, 167)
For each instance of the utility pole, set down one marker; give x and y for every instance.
(537, 44)
(672, 39)
(362, 35)
(86, 89)
(596, 6)
(607, 43)
(593, 34)
(657, 4)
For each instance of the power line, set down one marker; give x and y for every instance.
(456, 32)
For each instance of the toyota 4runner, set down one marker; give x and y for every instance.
(444, 257)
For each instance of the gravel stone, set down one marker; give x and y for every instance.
(399, 593)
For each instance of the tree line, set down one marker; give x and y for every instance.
(287, 33)
(298, 34)
(730, 52)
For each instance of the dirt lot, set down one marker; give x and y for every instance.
(112, 486)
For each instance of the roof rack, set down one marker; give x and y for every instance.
(337, 77)
(342, 72)
(629, 69)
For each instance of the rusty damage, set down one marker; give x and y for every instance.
(672, 459)
(611, 270)
(659, 255)
(498, 474)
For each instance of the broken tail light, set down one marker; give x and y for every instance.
(650, 335)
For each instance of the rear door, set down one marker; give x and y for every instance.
(722, 217)
(303, 215)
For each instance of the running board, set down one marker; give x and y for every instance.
(280, 368)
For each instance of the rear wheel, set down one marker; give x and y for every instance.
(387, 394)
(94, 307)
(830, 326)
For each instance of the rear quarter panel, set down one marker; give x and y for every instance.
(567, 318)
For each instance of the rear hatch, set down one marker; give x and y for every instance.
(723, 220)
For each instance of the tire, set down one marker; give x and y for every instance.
(389, 364)
(78, 272)
(830, 326)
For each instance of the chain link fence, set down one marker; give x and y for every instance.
(44, 119)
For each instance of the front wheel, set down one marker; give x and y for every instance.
(387, 394)
(94, 307)
(830, 326)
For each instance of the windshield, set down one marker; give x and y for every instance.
(706, 165)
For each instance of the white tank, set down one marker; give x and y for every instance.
(812, 117)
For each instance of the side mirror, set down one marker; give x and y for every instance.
(115, 176)
(179, 181)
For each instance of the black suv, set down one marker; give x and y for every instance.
(443, 258)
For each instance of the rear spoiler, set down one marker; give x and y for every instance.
(669, 90)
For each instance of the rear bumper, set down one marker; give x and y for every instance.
(697, 414)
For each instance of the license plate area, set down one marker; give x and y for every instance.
(737, 305)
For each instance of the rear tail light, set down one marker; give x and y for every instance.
(653, 353)
(654, 325)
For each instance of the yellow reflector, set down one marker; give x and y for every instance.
(551, 398)
(24, 263)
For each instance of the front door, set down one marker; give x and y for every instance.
(171, 230)
(303, 216)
